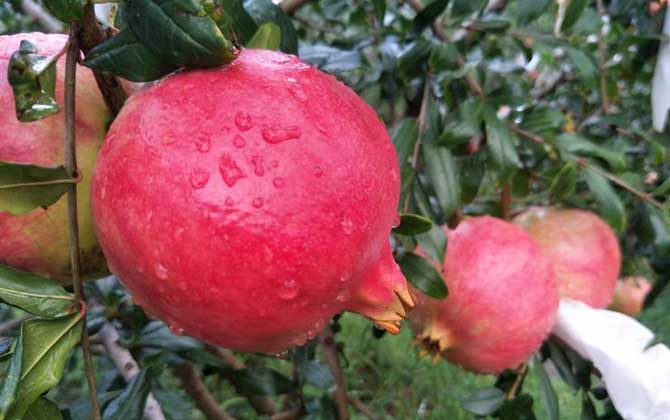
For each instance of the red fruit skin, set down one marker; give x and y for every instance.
(502, 299)
(582, 248)
(38, 241)
(629, 295)
(248, 204)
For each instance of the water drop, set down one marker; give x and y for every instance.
(168, 139)
(199, 178)
(296, 91)
(274, 163)
(278, 182)
(347, 226)
(103, 192)
(341, 297)
(276, 134)
(203, 144)
(239, 141)
(161, 271)
(176, 330)
(230, 172)
(243, 121)
(321, 129)
(257, 161)
(258, 202)
(230, 201)
(311, 334)
(289, 289)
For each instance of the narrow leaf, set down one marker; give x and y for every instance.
(500, 143)
(35, 294)
(569, 143)
(573, 13)
(547, 392)
(429, 13)
(423, 276)
(265, 11)
(129, 405)
(520, 408)
(443, 174)
(413, 224)
(10, 383)
(43, 409)
(268, 37)
(66, 10)
(529, 10)
(18, 192)
(404, 136)
(484, 401)
(434, 243)
(564, 183)
(609, 203)
(259, 380)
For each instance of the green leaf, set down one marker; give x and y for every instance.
(232, 19)
(18, 192)
(473, 171)
(46, 346)
(434, 243)
(662, 189)
(11, 381)
(33, 81)
(423, 276)
(43, 409)
(129, 405)
(267, 37)
(264, 11)
(573, 13)
(404, 136)
(157, 335)
(379, 7)
(490, 24)
(547, 392)
(428, 14)
(588, 410)
(410, 63)
(564, 183)
(529, 10)
(586, 67)
(317, 374)
(441, 169)
(569, 143)
(562, 364)
(125, 56)
(520, 408)
(483, 402)
(259, 380)
(179, 32)
(609, 204)
(412, 224)
(500, 144)
(35, 294)
(66, 10)
(466, 7)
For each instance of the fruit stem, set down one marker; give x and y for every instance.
(514, 390)
(73, 221)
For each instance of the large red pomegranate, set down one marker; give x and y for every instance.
(38, 241)
(248, 204)
(582, 248)
(502, 299)
(629, 295)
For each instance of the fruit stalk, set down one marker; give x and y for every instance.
(73, 221)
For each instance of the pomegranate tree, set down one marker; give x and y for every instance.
(502, 298)
(629, 295)
(582, 248)
(38, 241)
(246, 205)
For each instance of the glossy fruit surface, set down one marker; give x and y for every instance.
(582, 248)
(502, 299)
(247, 205)
(38, 241)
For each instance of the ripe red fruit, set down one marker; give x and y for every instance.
(38, 241)
(629, 295)
(582, 248)
(502, 299)
(248, 204)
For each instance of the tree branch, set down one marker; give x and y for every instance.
(196, 389)
(327, 340)
(521, 373)
(127, 366)
(42, 16)
(290, 6)
(362, 407)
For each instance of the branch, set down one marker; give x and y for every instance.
(42, 16)
(327, 340)
(127, 366)
(196, 389)
(360, 406)
(290, 6)
(521, 373)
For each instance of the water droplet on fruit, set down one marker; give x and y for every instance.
(229, 201)
(274, 163)
(277, 134)
(258, 202)
(176, 330)
(347, 226)
(199, 178)
(230, 172)
(243, 121)
(396, 221)
(394, 175)
(278, 182)
(289, 289)
(168, 139)
(296, 91)
(239, 141)
(342, 297)
(203, 144)
(284, 354)
(318, 172)
(103, 192)
(257, 161)
(311, 334)
(161, 271)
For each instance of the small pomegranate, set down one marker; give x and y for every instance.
(246, 205)
(38, 241)
(582, 248)
(629, 295)
(502, 299)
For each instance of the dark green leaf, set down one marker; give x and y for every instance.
(411, 61)
(267, 37)
(412, 224)
(473, 171)
(35, 294)
(404, 136)
(179, 32)
(46, 346)
(157, 335)
(443, 174)
(11, 380)
(569, 143)
(43, 409)
(66, 10)
(429, 13)
(588, 410)
(573, 13)
(520, 408)
(264, 11)
(565, 182)
(610, 206)
(663, 189)
(500, 142)
(81, 408)
(443, 57)
(466, 7)
(124, 56)
(18, 192)
(484, 401)
(175, 405)
(586, 67)
(259, 380)
(434, 243)
(529, 10)
(129, 405)
(490, 24)
(33, 81)
(317, 374)
(547, 393)
(423, 276)
(233, 19)
(379, 7)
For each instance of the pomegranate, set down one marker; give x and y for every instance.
(246, 205)
(629, 295)
(502, 298)
(38, 241)
(583, 249)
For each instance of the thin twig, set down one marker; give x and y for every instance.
(602, 61)
(73, 222)
(46, 20)
(127, 366)
(327, 340)
(193, 385)
(521, 373)
(290, 6)
(362, 407)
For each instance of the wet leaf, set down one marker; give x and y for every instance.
(19, 193)
(129, 405)
(66, 10)
(34, 294)
(423, 276)
(412, 224)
